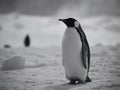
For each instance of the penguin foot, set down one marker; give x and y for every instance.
(76, 82)
(73, 82)
(81, 82)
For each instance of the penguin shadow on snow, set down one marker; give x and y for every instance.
(64, 86)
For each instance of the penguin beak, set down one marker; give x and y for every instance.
(61, 20)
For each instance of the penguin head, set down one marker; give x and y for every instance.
(70, 22)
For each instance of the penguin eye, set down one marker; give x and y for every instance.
(76, 23)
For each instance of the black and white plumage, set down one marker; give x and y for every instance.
(75, 52)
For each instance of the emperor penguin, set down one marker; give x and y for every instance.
(75, 52)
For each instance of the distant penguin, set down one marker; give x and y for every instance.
(75, 52)
(27, 41)
(7, 46)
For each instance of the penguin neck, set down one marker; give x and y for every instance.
(71, 27)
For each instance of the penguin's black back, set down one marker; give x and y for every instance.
(85, 47)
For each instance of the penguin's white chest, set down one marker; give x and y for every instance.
(71, 54)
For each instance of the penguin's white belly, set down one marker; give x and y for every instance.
(71, 55)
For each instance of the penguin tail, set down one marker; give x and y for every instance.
(88, 79)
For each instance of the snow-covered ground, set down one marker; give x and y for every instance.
(44, 71)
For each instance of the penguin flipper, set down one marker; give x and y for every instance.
(84, 57)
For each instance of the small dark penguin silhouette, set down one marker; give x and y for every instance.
(7, 46)
(27, 41)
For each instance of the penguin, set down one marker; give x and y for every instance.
(27, 41)
(75, 52)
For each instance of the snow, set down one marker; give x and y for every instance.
(44, 70)
(14, 63)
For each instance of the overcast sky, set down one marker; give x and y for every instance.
(53, 7)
